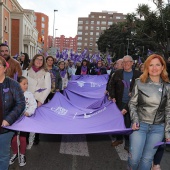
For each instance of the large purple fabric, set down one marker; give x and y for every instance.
(83, 110)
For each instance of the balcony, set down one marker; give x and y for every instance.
(28, 38)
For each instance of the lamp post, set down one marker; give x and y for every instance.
(55, 32)
(54, 25)
(55, 38)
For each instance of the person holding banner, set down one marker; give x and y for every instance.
(12, 104)
(64, 75)
(120, 87)
(39, 81)
(56, 81)
(83, 69)
(31, 105)
(150, 113)
(98, 70)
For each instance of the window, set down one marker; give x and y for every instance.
(42, 32)
(85, 44)
(86, 39)
(97, 39)
(118, 17)
(111, 17)
(97, 33)
(42, 19)
(87, 22)
(80, 27)
(79, 43)
(97, 28)
(43, 25)
(79, 33)
(104, 16)
(103, 22)
(98, 22)
(100, 16)
(80, 22)
(86, 27)
(92, 22)
(91, 33)
(91, 28)
(6, 24)
(103, 28)
(92, 16)
(86, 33)
(35, 24)
(110, 22)
(91, 44)
(91, 39)
(79, 38)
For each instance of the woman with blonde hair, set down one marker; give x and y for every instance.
(150, 113)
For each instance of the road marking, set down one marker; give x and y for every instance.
(74, 145)
(123, 154)
(74, 163)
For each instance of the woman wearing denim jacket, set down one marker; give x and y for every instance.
(12, 104)
(150, 113)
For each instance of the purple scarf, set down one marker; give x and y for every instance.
(36, 69)
(62, 73)
(83, 70)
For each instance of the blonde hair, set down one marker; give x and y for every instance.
(164, 74)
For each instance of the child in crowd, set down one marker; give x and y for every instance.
(31, 105)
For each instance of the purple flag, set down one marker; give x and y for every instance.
(161, 143)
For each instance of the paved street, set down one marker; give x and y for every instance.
(78, 152)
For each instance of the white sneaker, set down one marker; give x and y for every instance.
(22, 160)
(13, 159)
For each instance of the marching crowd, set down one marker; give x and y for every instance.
(140, 91)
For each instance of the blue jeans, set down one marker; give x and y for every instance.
(5, 143)
(142, 143)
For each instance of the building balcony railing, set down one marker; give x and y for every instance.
(29, 38)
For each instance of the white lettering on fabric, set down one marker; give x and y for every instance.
(59, 110)
(80, 83)
(95, 113)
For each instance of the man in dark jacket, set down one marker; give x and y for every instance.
(120, 88)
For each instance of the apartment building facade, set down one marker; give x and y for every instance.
(17, 28)
(89, 28)
(41, 23)
(65, 43)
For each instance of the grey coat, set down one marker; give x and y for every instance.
(150, 103)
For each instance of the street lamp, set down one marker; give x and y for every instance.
(54, 25)
(55, 32)
(128, 39)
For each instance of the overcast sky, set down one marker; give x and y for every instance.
(66, 18)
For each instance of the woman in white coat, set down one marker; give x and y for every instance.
(39, 81)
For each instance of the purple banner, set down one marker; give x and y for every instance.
(162, 143)
(84, 110)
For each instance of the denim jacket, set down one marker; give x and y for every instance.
(13, 100)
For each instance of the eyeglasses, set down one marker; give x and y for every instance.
(124, 62)
(39, 59)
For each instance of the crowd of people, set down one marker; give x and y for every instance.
(140, 90)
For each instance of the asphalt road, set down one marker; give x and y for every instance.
(78, 152)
